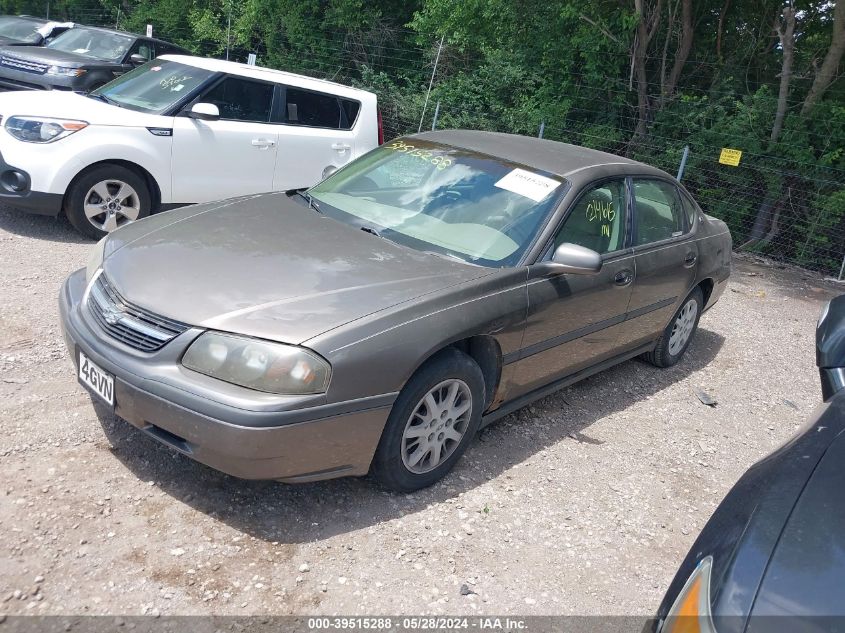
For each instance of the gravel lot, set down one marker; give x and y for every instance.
(583, 503)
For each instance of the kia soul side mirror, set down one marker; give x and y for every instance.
(204, 112)
(830, 347)
(137, 59)
(575, 260)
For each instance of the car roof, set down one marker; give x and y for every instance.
(562, 159)
(267, 74)
(28, 18)
(127, 33)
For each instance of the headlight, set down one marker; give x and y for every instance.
(259, 365)
(34, 129)
(66, 72)
(96, 259)
(691, 611)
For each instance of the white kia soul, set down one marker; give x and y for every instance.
(175, 131)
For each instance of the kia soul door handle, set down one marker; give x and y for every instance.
(341, 147)
(623, 277)
(262, 142)
(689, 260)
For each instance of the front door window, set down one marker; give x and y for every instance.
(597, 221)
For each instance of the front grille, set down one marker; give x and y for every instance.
(136, 327)
(23, 64)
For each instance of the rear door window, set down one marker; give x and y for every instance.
(658, 213)
(311, 109)
(242, 99)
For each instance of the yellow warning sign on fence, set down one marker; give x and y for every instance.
(730, 156)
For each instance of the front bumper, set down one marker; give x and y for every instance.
(296, 445)
(11, 79)
(16, 191)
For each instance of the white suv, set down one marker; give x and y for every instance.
(175, 131)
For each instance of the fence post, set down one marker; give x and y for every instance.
(842, 270)
(431, 83)
(436, 114)
(683, 163)
(542, 129)
(228, 30)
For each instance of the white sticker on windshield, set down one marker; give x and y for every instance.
(527, 184)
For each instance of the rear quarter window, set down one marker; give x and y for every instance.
(350, 111)
(690, 208)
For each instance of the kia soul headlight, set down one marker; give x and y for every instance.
(260, 365)
(32, 129)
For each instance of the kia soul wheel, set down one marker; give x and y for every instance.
(432, 422)
(106, 198)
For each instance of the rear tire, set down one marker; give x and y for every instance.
(105, 198)
(679, 333)
(431, 424)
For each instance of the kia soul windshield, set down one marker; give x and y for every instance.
(444, 200)
(153, 87)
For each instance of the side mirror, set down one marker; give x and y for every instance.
(137, 59)
(204, 112)
(830, 346)
(575, 260)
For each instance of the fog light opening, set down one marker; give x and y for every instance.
(14, 181)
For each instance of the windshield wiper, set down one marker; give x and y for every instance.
(104, 99)
(370, 230)
(312, 204)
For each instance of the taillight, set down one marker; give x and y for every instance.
(380, 129)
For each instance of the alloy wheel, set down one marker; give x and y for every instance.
(110, 204)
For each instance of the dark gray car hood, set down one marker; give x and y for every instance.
(44, 55)
(806, 574)
(269, 267)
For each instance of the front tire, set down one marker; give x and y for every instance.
(105, 198)
(431, 424)
(679, 333)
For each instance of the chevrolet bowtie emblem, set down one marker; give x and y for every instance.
(112, 315)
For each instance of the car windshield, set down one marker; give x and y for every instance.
(20, 30)
(153, 87)
(93, 43)
(442, 199)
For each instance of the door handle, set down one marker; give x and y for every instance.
(690, 259)
(341, 147)
(623, 277)
(262, 142)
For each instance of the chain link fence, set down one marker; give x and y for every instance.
(776, 206)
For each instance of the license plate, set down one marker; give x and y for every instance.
(96, 379)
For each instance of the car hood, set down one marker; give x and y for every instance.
(69, 105)
(269, 267)
(807, 570)
(54, 57)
